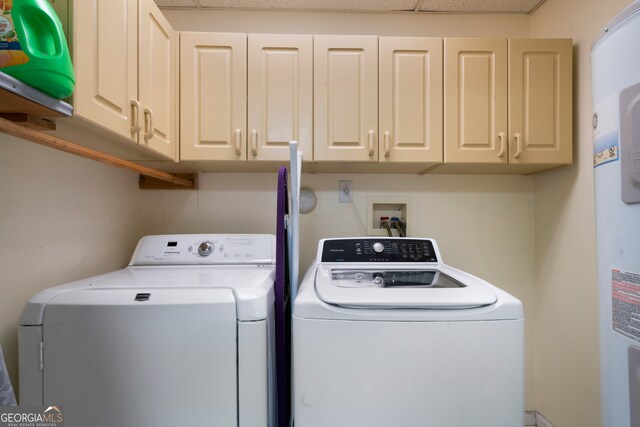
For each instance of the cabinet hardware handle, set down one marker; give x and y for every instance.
(502, 145)
(518, 145)
(148, 124)
(135, 120)
(371, 140)
(254, 142)
(238, 141)
(387, 147)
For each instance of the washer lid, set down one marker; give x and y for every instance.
(385, 286)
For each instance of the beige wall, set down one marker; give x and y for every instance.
(566, 311)
(62, 218)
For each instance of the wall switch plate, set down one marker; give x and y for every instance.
(345, 191)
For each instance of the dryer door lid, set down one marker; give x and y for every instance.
(401, 288)
(144, 353)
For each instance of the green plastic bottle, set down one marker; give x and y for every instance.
(33, 48)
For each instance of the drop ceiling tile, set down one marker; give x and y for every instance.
(360, 5)
(176, 3)
(506, 6)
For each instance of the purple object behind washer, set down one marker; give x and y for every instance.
(282, 304)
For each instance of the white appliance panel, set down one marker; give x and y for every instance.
(409, 374)
(129, 358)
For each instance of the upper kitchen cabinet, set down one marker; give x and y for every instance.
(507, 102)
(158, 81)
(124, 53)
(280, 96)
(213, 96)
(540, 101)
(346, 98)
(475, 105)
(244, 98)
(410, 108)
(105, 57)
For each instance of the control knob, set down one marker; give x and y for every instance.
(378, 247)
(205, 248)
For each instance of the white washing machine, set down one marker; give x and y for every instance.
(385, 334)
(182, 336)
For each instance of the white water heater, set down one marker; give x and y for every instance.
(615, 59)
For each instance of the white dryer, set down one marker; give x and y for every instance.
(385, 335)
(182, 336)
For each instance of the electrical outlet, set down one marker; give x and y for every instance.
(345, 191)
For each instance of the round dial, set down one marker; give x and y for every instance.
(205, 248)
(378, 247)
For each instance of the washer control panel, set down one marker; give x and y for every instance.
(190, 249)
(371, 249)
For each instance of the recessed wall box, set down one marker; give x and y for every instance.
(387, 206)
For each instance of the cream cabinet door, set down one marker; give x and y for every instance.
(475, 101)
(410, 99)
(157, 81)
(213, 92)
(105, 49)
(540, 101)
(345, 98)
(280, 94)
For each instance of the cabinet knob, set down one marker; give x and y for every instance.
(135, 120)
(502, 144)
(254, 142)
(238, 141)
(149, 130)
(371, 141)
(387, 146)
(518, 139)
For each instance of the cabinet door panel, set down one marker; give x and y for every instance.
(540, 104)
(475, 101)
(410, 99)
(212, 96)
(105, 59)
(345, 98)
(157, 82)
(280, 91)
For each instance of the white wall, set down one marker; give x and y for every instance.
(61, 218)
(566, 311)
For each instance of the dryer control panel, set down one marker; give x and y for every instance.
(207, 249)
(375, 249)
